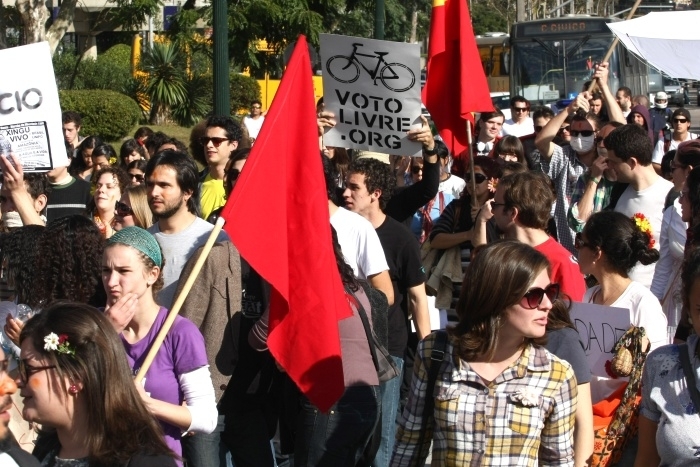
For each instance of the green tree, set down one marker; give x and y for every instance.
(166, 81)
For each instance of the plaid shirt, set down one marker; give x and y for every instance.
(601, 198)
(564, 168)
(476, 425)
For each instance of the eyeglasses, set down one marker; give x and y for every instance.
(26, 370)
(123, 209)
(680, 120)
(495, 205)
(564, 129)
(584, 133)
(579, 243)
(533, 298)
(479, 178)
(204, 140)
(416, 169)
(138, 177)
(538, 128)
(520, 109)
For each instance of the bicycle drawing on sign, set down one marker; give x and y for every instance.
(395, 77)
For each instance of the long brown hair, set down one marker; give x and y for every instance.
(119, 424)
(496, 279)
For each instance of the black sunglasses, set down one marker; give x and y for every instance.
(533, 298)
(25, 370)
(584, 133)
(415, 169)
(479, 178)
(204, 140)
(138, 177)
(123, 209)
(579, 243)
(520, 109)
(680, 120)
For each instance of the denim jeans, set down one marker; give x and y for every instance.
(337, 438)
(247, 437)
(205, 450)
(390, 395)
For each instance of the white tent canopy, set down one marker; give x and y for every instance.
(668, 41)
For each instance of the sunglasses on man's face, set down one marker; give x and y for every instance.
(123, 209)
(679, 120)
(204, 140)
(533, 298)
(584, 133)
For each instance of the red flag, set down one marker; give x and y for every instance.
(456, 84)
(277, 216)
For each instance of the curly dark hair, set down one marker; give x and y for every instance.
(69, 263)
(19, 249)
(619, 238)
(378, 176)
(122, 179)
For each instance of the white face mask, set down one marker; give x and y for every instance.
(661, 105)
(582, 144)
(12, 220)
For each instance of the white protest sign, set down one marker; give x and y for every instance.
(373, 88)
(30, 113)
(600, 327)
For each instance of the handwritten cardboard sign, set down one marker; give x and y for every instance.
(600, 327)
(30, 113)
(373, 88)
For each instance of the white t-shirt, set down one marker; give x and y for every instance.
(649, 202)
(253, 125)
(518, 129)
(645, 311)
(360, 243)
(659, 149)
(177, 250)
(453, 185)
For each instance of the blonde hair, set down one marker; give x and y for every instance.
(143, 217)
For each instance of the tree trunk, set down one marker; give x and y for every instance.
(34, 16)
(414, 24)
(59, 27)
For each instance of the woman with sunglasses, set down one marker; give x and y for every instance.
(499, 398)
(233, 170)
(132, 209)
(455, 226)
(76, 383)
(131, 275)
(608, 248)
(137, 172)
(108, 185)
(666, 284)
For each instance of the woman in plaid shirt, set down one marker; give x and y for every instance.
(500, 398)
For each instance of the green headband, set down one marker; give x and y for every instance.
(140, 239)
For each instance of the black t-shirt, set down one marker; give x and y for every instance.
(406, 270)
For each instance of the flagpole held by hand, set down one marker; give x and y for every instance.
(175, 310)
(470, 149)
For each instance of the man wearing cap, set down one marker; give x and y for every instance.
(660, 115)
(680, 124)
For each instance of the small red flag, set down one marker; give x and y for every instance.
(277, 216)
(456, 84)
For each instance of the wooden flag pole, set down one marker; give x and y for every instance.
(470, 150)
(175, 310)
(616, 41)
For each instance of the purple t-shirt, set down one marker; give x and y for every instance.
(182, 351)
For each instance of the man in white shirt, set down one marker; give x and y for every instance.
(624, 100)
(629, 155)
(520, 124)
(680, 122)
(254, 121)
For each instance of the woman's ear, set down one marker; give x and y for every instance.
(152, 275)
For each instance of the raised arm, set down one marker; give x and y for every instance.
(545, 139)
(601, 79)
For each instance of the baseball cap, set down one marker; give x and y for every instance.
(661, 95)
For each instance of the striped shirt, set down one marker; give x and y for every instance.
(476, 425)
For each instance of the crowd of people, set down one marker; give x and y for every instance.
(461, 271)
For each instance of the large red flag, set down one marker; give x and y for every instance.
(277, 216)
(456, 84)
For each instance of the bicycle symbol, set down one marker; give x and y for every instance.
(346, 69)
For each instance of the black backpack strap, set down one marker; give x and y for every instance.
(437, 356)
(689, 375)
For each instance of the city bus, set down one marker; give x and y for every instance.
(552, 59)
(493, 50)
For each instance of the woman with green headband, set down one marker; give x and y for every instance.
(131, 274)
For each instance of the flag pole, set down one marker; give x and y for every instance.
(470, 149)
(175, 310)
(616, 41)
